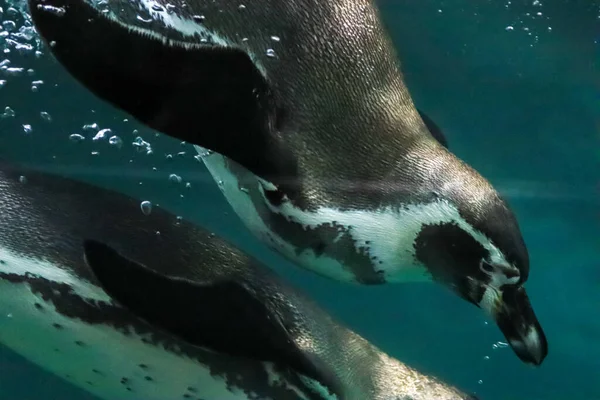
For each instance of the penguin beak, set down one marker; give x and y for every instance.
(515, 317)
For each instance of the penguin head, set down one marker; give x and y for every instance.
(478, 251)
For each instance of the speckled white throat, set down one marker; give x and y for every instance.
(388, 233)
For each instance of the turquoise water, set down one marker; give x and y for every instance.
(521, 105)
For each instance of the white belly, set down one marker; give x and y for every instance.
(97, 358)
(105, 356)
(230, 185)
(390, 237)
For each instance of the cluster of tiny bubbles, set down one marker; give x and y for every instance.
(146, 15)
(21, 51)
(499, 345)
(19, 43)
(486, 324)
(530, 20)
(8, 113)
(106, 135)
(495, 346)
(17, 32)
(142, 146)
(102, 6)
(205, 153)
(270, 51)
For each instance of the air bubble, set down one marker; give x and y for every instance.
(12, 12)
(204, 153)
(115, 141)
(46, 116)
(90, 127)
(76, 138)
(175, 178)
(14, 71)
(58, 11)
(146, 207)
(9, 26)
(101, 134)
(275, 38)
(499, 345)
(141, 145)
(27, 128)
(8, 113)
(270, 53)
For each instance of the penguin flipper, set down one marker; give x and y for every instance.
(434, 129)
(223, 316)
(162, 82)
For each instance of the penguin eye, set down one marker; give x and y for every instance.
(486, 267)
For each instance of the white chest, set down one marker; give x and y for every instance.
(98, 358)
(384, 236)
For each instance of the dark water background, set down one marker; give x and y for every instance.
(521, 105)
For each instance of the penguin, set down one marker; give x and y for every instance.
(300, 112)
(132, 305)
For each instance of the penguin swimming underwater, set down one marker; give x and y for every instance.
(302, 116)
(187, 315)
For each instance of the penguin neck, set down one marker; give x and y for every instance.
(395, 380)
(376, 375)
(354, 361)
